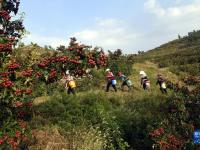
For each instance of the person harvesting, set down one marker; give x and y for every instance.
(125, 81)
(110, 80)
(162, 84)
(144, 80)
(70, 83)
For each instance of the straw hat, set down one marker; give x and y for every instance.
(107, 70)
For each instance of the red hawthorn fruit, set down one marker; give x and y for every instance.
(74, 61)
(157, 132)
(6, 47)
(1, 141)
(30, 104)
(18, 104)
(43, 64)
(4, 74)
(4, 14)
(173, 140)
(53, 74)
(10, 140)
(17, 134)
(18, 92)
(14, 145)
(163, 145)
(38, 74)
(29, 91)
(7, 83)
(62, 59)
(27, 72)
(14, 66)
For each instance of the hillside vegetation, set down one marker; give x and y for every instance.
(94, 119)
(36, 112)
(181, 56)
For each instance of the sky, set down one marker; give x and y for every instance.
(130, 25)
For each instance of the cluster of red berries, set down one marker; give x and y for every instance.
(20, 92)
(27, 72)
(43, 64)
(158, 132)
(6, 83)
(38, 75)
(4, 14)
(91, 62)
(62, 59)
(6, 47)
(18, 104)
(102, 59)
(14, 66)
(4, 74)
(14, 140)
(52, 74)
(74, 61)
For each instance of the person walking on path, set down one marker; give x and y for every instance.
(70, 83)
(125, 81)
(162, 84)
(144, 81)
(110, 80)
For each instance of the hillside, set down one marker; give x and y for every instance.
(181, 56)
(57, 99)
(94, 119)
(31, 54)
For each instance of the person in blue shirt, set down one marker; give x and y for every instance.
(125, 81)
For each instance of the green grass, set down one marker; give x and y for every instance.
(181, 56)
(112, 119)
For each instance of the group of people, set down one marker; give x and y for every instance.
(111, 80)
(125, 81)
(145, 82)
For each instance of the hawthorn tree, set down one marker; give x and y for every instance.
(14, 100)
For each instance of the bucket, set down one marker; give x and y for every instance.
(114, 82)
(72, 84)
(163, 85)
(129, 83)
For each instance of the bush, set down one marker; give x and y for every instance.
(70, 112)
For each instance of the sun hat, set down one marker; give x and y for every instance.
(67, 72)
(107, 70)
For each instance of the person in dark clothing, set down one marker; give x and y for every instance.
(71, 90)
(145, 83)
(110, 80)
(162, 84)
(125, 81)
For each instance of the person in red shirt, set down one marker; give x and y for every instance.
(110, 80)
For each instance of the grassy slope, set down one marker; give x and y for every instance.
(121, 100)
(181, 56)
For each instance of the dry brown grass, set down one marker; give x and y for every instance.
(78, 139)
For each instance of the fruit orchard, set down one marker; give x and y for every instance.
(119, 119)
(16, 79)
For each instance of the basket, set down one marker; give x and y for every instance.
(129, 83)
(72, 84)
(114, 82)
